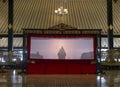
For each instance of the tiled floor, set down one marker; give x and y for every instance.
(12, 79)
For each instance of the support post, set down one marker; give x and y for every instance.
(10, 27)
(25, 56)
(110, 24)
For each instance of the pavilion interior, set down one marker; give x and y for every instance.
(40, 14)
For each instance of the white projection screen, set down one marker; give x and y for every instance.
(62, 48)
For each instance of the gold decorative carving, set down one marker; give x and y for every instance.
(9, 26)
(110, 26)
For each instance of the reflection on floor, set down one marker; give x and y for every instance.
(13, 79)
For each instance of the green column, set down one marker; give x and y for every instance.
(10, 26)
(25, 54)
(110, 24)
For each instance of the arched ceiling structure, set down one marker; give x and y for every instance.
(39, 14)
(82, 14)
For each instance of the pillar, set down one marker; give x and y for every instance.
(10, 27)
(110, 24)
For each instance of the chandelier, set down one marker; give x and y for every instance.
(61, 11)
